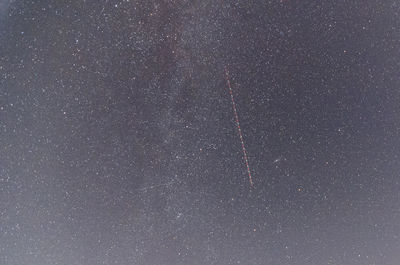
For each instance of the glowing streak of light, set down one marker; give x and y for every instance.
(246, 160)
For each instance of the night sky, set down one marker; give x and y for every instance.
(119, 143)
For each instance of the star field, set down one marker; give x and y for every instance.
(119, 144)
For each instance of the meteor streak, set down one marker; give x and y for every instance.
(246, 160)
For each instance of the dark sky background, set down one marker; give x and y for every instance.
(118, 143)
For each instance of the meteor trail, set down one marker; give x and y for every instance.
(246, 160)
